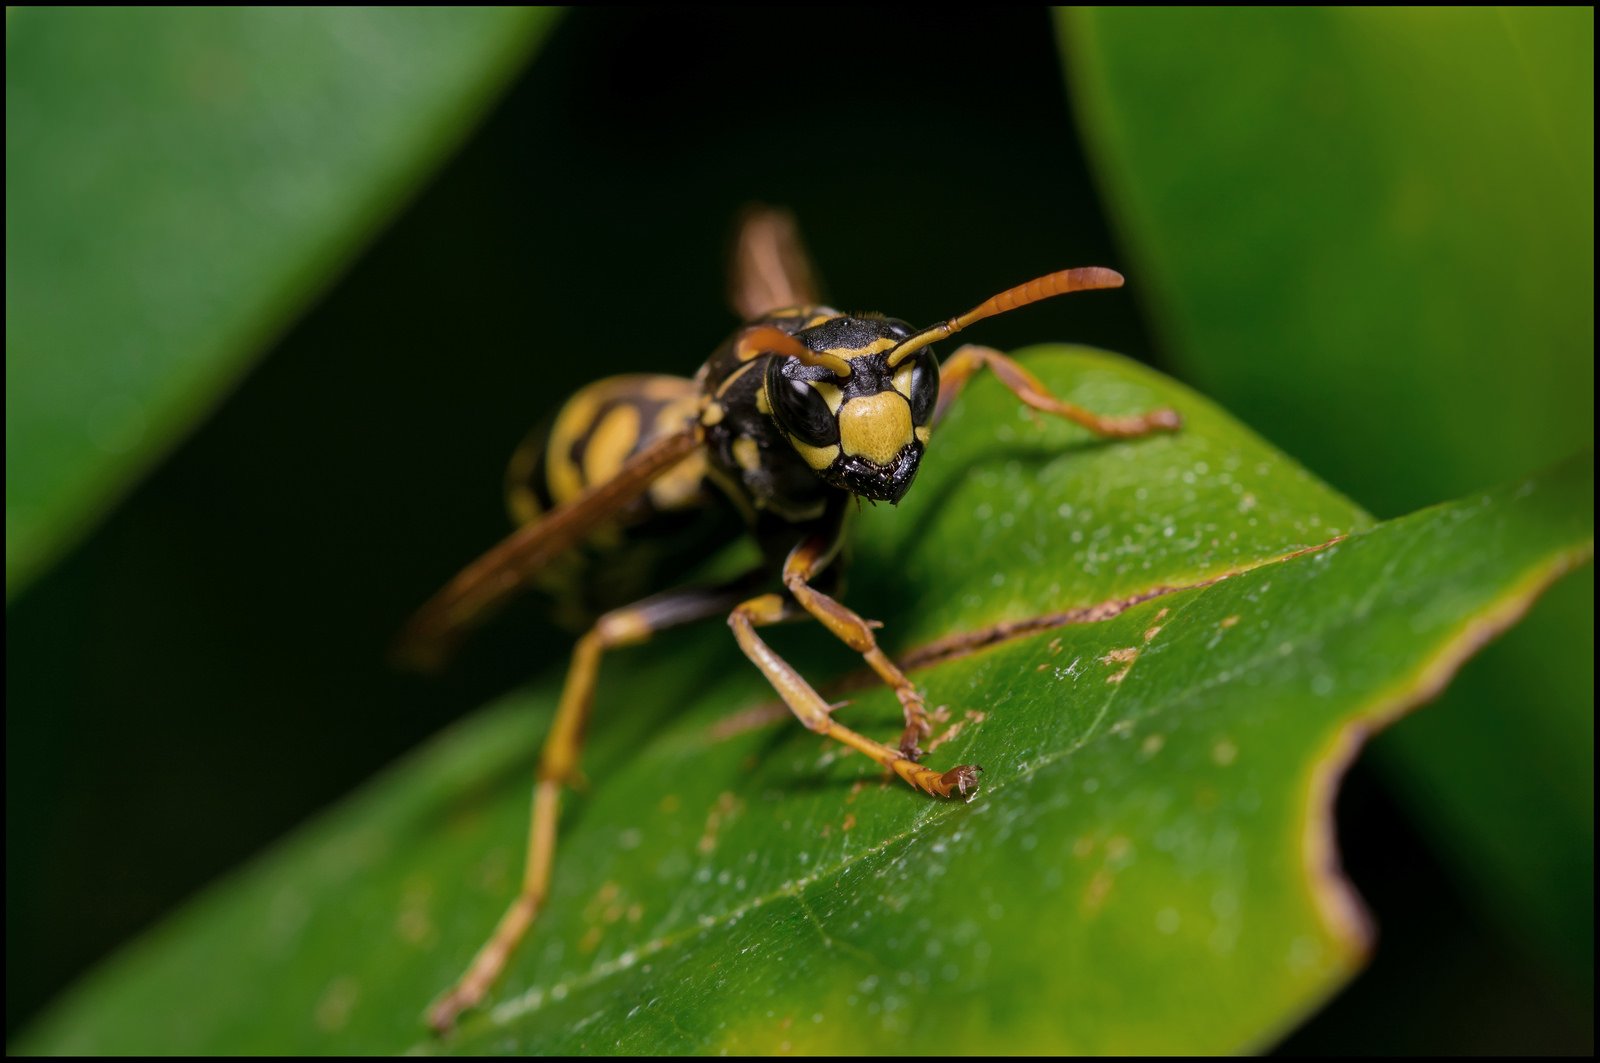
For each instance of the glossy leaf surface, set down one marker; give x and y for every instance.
(1404, 199)
(1148, 866)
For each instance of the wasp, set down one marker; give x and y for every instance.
(799, 414)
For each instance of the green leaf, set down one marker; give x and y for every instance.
(1149, 866)
(1405, 201)
(179, 183)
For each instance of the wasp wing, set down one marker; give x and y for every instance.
(492, 579)
(770, 269)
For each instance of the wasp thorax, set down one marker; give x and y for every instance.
(865, 431)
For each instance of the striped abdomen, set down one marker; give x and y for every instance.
(676, 521)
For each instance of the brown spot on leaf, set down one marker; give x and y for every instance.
(944, 736)
(336, 1003)
(719, 812)
(1125, 657)
(413, 922)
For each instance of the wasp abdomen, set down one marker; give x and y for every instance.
(592, 435)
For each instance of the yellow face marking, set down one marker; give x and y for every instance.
(923, 432)
(763, 407)
(875, 427)
(883, 343)
(830, 393)
(747, 454)
(818, 458)
(902, 380)
(612, 441)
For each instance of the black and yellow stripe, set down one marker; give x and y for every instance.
(599, 429)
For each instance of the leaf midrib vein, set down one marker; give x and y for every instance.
(533, 999)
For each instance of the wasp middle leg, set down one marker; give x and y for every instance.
(558, 766)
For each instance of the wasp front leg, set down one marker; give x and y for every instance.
(802, 564)
(849, 628)
(558, 766)
(954, 374)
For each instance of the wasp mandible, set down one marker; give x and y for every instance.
(801, 412)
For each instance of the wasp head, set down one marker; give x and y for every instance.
(864, 430)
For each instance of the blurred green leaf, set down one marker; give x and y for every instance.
(1149, 866)
(168, 215)
(1403, 199)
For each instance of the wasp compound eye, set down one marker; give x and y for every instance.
(800, 408)
(924, 391)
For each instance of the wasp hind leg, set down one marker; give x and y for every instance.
(807, 704)
(558, 766)
(954, 374)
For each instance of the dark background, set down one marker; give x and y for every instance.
(582, 231)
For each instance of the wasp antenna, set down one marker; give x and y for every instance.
(1084, 278)
(765, 339)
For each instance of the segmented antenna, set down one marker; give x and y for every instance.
(765, 339)
(1084, 278)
